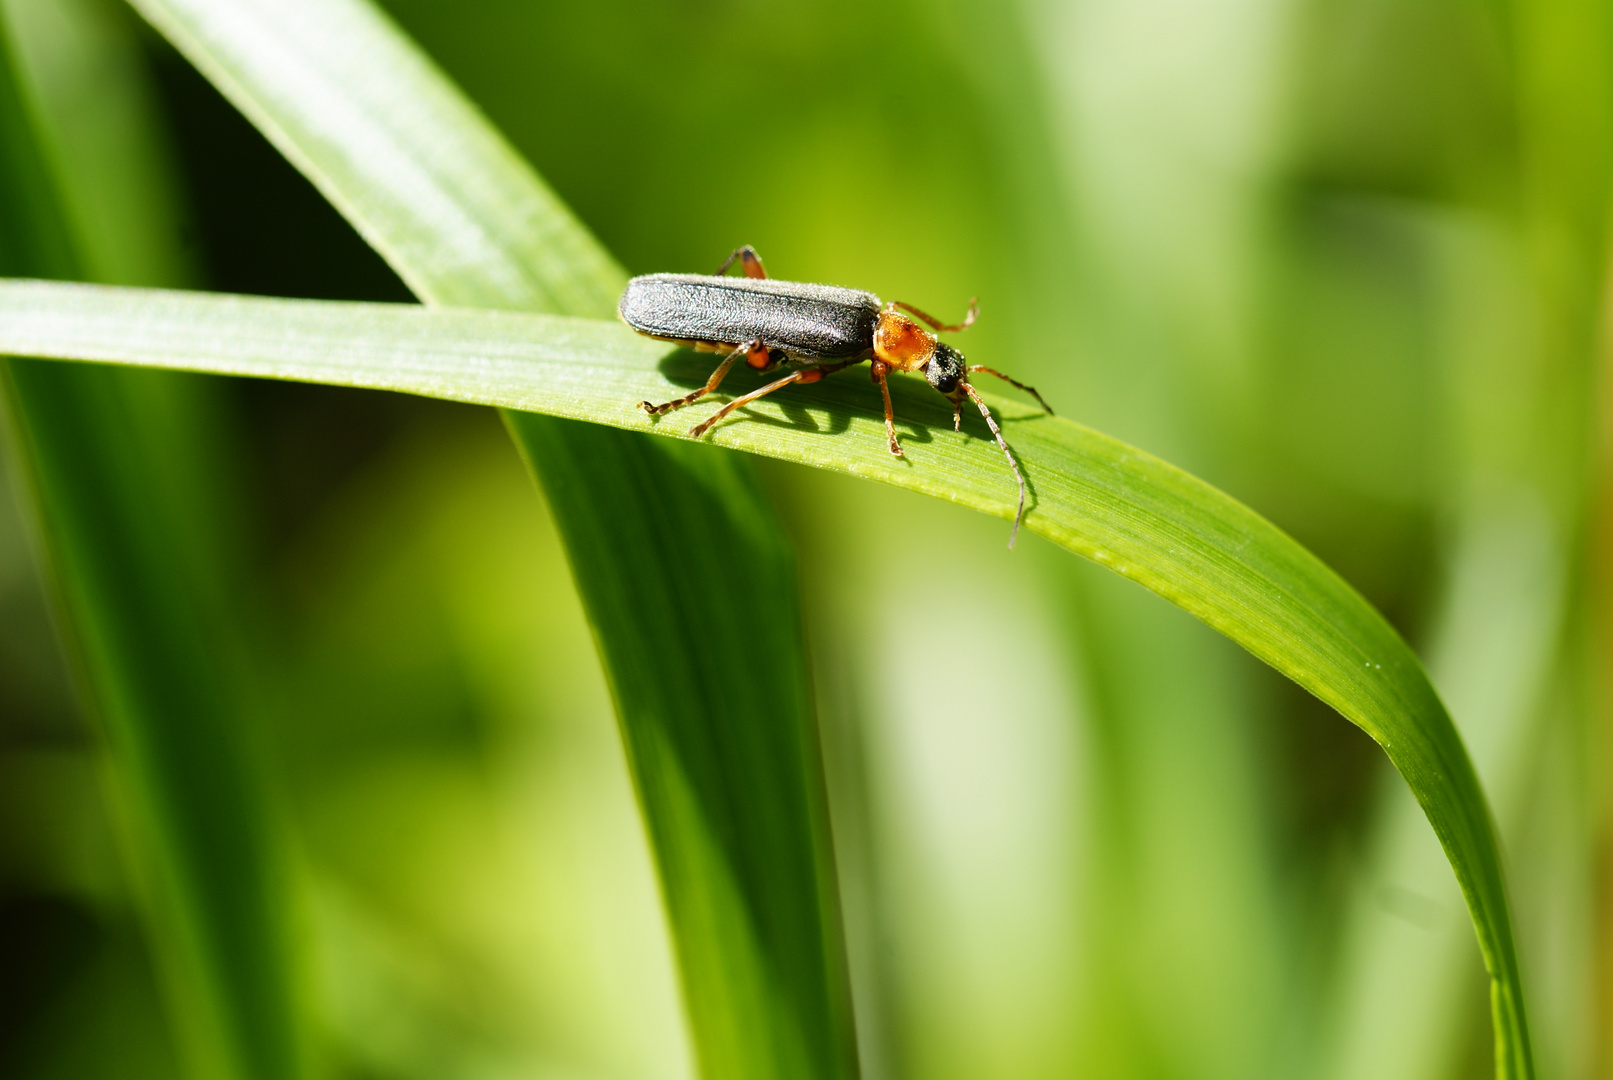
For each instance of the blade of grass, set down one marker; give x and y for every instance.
(1101, 499)
(1403, 982)
(724, 755)
(110, 459)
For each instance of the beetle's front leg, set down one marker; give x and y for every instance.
(755, 354)
(878, 371)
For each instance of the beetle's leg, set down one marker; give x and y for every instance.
(1013, 466)
(806, 375)
(877, 371)
(751, 351)
(749, 261)
(934, 323)
(1031, 390)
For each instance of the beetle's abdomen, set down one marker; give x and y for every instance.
(811, 321)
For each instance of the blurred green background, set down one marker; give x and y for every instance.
(1343, 258)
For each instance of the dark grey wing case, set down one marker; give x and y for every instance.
(821, 322)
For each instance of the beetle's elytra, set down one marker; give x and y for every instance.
(816, 322)
(815, 329)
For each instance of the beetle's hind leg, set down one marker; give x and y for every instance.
(755, 354)
(805, 375)
(749, 261)
(936, 324)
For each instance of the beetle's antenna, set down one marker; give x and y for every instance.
(1013, 465)
(1031, 390)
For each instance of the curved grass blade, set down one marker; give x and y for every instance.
(113, 464)
(463, 220)
(1109, 502)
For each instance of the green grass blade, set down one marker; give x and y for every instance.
(1131, 512)
(111, 459)
(765, 1001)
(464, 221)
(411, 164)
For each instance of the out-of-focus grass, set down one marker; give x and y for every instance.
(1273, 185)
(125, 474)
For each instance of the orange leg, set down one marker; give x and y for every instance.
(1031, 390)
(749, 260)
(878, 370)
(808, 375)
(751, 351)
(935, 324)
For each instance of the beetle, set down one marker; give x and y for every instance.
(814, 329)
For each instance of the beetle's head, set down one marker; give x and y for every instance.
(945, 372)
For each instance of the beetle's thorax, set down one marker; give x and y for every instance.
(902, 343)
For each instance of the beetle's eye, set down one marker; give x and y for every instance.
(946, 383)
